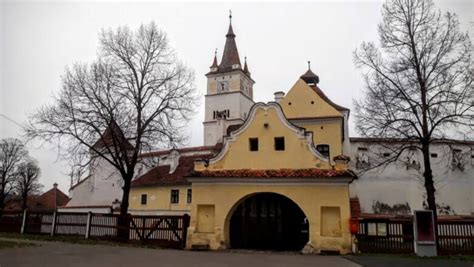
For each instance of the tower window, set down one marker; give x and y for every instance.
(253, 144)
(323, 149)
(279, 143)
(144, 199)
(174, 196)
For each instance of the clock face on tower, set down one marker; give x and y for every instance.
(223, 87)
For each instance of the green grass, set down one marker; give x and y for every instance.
(14, 244)
(77, 240)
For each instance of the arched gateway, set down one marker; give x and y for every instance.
(268, 221)
(253, 192)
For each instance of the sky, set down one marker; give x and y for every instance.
(38, 40)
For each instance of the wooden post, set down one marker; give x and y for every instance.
(23, 223)
(53, 225)
(186, 219)
(143, 228)
(88, 225)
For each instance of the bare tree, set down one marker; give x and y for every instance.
(27, 181)
(135, 97)
(419, 81)
(12, 153)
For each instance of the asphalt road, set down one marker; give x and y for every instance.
(56, 254)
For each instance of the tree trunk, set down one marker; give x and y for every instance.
(2, 206)
(429, 186)
(24, 202)
(2, 198)
(123, 232)
(126, 193)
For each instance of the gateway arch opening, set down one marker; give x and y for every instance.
(268, 221)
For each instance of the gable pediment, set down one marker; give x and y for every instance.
(265, 123)
(304, 101)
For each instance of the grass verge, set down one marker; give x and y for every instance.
(14, 244)
(77, 240)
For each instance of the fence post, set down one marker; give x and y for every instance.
(53, 225)
(143, 228)
(23, 223)
(88, 225)
(186, 219)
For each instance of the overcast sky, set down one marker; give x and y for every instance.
(38, 40)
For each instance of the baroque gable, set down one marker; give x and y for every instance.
(265, 124)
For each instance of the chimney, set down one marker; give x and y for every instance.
(279, 96)
(55, 185)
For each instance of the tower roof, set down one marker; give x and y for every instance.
(309, 77)
(214, 63)
(230, 56)
(246, 68)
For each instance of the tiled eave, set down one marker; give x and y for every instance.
(276, 173)
(280, 176)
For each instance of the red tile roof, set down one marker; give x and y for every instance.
(278, 173)
(47, 201)
(391, 140)
(215, 148)
(160, 175)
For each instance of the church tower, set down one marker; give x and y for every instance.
(229, 94)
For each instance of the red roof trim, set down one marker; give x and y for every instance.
(388, 139)
(84, 207)
(181, 150)
(278, 173)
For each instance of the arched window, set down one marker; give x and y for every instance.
(323, 149)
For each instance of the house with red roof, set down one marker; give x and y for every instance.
(46, 202)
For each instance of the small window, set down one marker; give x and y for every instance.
(174, 196)
(253, 144)
(323, 149)
(144, 199)
(434, 155)
(279, 143)
(377, 229)
(386, 155)
(190, 195)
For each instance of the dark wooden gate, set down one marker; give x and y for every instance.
(385, 236)
(10, 222)
(268, 221)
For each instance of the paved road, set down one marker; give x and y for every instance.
(393, 261)
(55, 254)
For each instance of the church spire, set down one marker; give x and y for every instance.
(214, 63)
(246, 68)
(230, 56)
